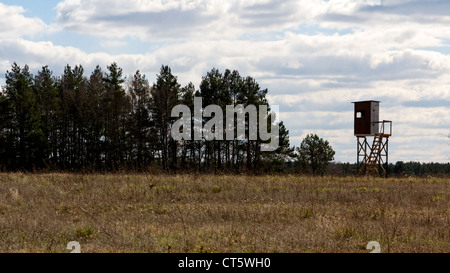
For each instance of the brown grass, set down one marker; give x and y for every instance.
(144, 213)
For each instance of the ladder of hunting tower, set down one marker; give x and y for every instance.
(374, 157)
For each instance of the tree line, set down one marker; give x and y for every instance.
(398, 169)
(105, 122)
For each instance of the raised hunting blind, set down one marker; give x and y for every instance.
(371, 158)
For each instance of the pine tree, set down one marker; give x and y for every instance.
(117, 105)
(251, 94)
(188, 154)
(29, 139)
(73, 89)
(6, 139)
(140, 119)
(213, 91)
(47, 98)
(165, 95)
(96, 111)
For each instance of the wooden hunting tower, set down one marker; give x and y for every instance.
(371, 159)
(367, 115)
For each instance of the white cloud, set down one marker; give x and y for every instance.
(202, 19)
(14, 24)
(38, 54)
(374, 23)
(112, 43)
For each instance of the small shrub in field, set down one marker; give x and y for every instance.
(216, 189)
(84, 232)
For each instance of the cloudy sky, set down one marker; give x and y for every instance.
(314, 56)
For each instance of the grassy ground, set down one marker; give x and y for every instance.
(144, 213)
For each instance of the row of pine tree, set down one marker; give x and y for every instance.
(105, 122)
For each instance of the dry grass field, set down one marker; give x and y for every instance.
(187, 213)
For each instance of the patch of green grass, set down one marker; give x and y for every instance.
(165, 188)
(367, 189)
(84, 232)
(439, 198)
(306, 213)
(325, 189)
(345, 233)
(216, 189)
